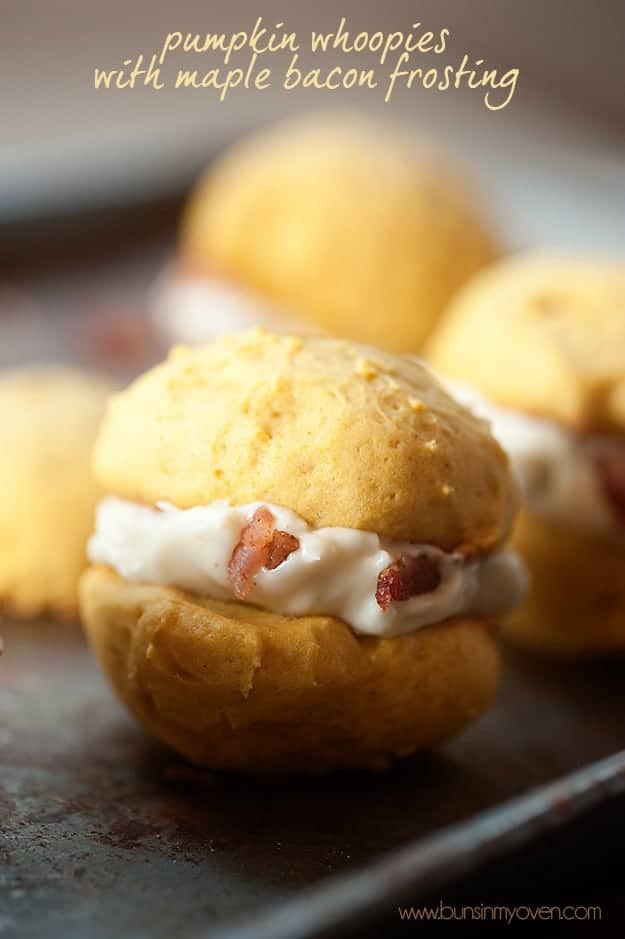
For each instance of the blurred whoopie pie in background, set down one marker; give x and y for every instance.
(543, 338)
(328, 223)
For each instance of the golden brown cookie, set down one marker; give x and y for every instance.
(353, 227)
(48, 422)
(233, 686)
(576, 605)
(544, 335)
(259, 416)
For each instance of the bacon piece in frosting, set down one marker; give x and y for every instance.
(610, 463)
(405, 578)
(260, 546)
(282, 544)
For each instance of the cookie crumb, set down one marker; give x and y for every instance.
(365, 368)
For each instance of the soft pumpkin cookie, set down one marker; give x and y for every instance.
(329, 223)
(542, 334)
(336, 431)
(300, 554)
(239, 687)
(48, 423)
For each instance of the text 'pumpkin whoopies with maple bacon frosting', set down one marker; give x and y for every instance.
(300, 554)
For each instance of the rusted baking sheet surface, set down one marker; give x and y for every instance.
(105, 833)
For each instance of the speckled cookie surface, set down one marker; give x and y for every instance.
(230, 685)
(542, 334)
(349, 224)
(577, 602)
(48, 422)
(342, 434)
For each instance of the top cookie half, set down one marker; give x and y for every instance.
(342, 434)
(542, 334)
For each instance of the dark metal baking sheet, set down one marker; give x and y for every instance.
(105, 833)
(411, 873)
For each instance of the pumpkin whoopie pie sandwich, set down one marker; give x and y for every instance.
(49, 418)
(300, 554)
(543, 338)
(334, 223)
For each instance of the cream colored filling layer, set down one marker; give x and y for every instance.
(193, 309)
(556, 468)
(333, 572)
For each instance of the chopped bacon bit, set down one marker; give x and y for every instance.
(610, 464)
(260, 546)
(250, 553)
(282, 544)
(405, 578)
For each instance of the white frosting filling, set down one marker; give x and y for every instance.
(334, 571)
(195, 309)
(556, 468)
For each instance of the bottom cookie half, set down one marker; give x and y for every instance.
(232, 686)
(576, 604)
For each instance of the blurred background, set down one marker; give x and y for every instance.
(91, 183)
